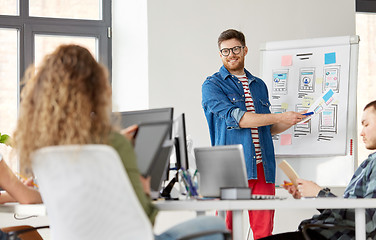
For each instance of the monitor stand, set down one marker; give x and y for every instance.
(166, 193)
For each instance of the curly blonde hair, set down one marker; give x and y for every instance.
(67, 100)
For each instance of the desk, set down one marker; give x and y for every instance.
(237, 206)
(24, 209)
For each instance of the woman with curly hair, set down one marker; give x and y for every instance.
(67, 100)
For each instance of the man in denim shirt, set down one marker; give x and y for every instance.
(362, 185)
(236, 107)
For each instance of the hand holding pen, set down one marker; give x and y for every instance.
(27, 181)
(308, 114)
(292, 189)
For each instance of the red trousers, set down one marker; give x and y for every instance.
(261, 221)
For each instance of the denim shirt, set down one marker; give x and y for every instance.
(223, 102)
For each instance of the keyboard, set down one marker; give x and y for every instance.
(263, 197)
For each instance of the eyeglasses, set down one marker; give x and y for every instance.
(235, 50)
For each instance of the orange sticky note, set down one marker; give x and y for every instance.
(286, 60)
(286, 139)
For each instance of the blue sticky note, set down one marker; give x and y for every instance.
(330, 58)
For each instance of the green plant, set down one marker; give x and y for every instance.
(4, 138)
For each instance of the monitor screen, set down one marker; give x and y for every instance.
(129, 118)
(148, 144)
(160, 171)
(180, 138)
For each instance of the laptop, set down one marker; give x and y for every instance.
(220, 167)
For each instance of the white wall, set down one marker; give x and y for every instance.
(162, 56)
(182, 50)
(130, 55)
(183, 42)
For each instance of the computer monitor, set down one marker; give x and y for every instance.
(129, 118)
(149, 140)
(180, 141)
(161, 170)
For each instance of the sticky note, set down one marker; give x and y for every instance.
(284, 105)
(307, 101)
(330, 58)
(319, 80)
(286, 139)
(286, 60)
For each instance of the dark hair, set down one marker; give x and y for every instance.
(371, 104)
(230, 34)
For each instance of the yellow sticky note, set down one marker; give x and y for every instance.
(284, 105)
(307, 101)
(319, 80)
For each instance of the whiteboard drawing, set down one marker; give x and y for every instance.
(307, 80)
(280, 79)
(328, 119)
(331, 78)
(320, 104)
(302, 128)
(277, 109)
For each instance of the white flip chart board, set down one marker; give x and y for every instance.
(319, 75)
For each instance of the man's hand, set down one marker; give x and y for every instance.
(28, 182)
(285, 121)
(308, 188)
(291, 118)
(305, 188)
(292, 189)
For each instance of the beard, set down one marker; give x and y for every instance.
(236, 66)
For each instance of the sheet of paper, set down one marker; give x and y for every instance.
(320, 104)
(289, 171)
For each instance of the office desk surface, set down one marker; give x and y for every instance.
(204, 205)
(237, 206)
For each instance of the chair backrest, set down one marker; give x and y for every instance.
(88, 194)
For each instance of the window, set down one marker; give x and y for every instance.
(31, 29)
(8, 7)
(366, 29)
(84, 9)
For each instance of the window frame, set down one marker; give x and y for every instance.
(28, 27)
(365, 6)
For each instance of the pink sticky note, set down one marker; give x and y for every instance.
(286, 60)
(286, 139)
